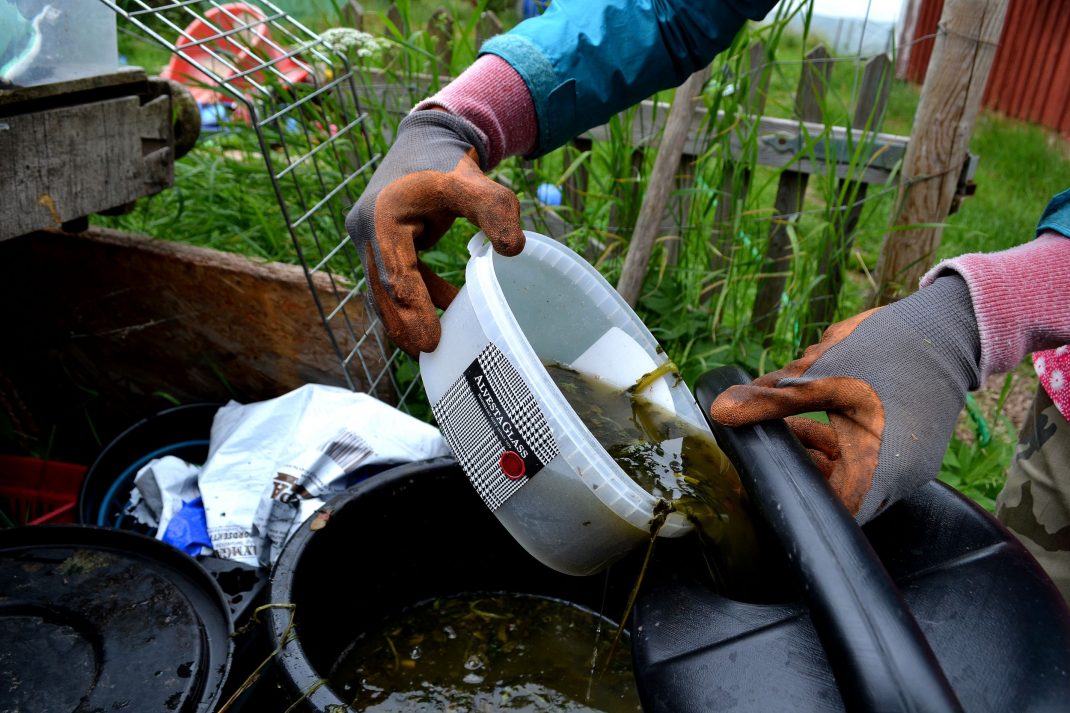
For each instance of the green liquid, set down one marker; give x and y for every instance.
(673, 460)
(488, 654)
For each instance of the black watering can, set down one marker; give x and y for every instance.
(933, 606)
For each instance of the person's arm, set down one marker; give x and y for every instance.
(893, 380)
(532, 89)
(583, 62)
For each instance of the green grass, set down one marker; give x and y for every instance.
(1021, 167)
(220, 200)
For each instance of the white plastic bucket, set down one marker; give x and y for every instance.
(528, 454)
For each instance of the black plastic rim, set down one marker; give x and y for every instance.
(205, 603)
(181, 431)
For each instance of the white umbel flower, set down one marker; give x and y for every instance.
(344, 39)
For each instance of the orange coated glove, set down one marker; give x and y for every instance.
(892, 382)
(429, 177)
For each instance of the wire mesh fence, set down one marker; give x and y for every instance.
(297, 91)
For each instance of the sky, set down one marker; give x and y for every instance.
(879, 10)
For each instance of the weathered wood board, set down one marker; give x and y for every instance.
(126, 317)
(62, 163)
(780, 140)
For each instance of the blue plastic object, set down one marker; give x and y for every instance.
(188, 529)
(548, 194)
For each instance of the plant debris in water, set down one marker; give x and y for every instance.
(671, 459)
(484, 654)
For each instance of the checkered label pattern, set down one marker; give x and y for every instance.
(488, 414)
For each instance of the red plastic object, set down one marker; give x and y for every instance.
(512, 465)
(248, 48)
(34, 491)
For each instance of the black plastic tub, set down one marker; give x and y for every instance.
(182, 431)
(407, 535)
(93, 619)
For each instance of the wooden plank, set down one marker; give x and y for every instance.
(120, 77)
(63, 164)
(868, 114)
(575, 188)
(779, 139)
(736, 174)
(943, 123)
(659, 185)
(105, 320)
(353, 14)
(393, 14)
(440, 27)
(163, 311)
(488, 26)
(622, 213)
(791, 189)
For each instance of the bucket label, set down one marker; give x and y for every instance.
(495, 427)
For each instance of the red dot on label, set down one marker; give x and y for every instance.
(512, 465)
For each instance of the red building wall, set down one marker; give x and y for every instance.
(1030, 77)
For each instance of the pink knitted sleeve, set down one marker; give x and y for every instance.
(1021, 298)
(491, 95)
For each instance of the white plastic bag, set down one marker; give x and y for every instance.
(271, 464)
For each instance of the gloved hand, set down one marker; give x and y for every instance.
(430, 175)
(892, 381)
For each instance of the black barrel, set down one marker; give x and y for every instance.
(407, 535)
(182, 431)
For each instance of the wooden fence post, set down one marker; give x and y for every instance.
(950, 99)
(353, 14)
(755, 81)
(659, 185)
(868, 115)
(393, 13)
(575, 187)
(395, 18)
(440, 27)
(489, 25)
(813, 84)
(736, 175)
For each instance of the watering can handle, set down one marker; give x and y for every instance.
(875, 648)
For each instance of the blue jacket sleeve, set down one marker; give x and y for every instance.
(585, 60)
(1057, 215)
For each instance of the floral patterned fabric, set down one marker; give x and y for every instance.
(1053, 368)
